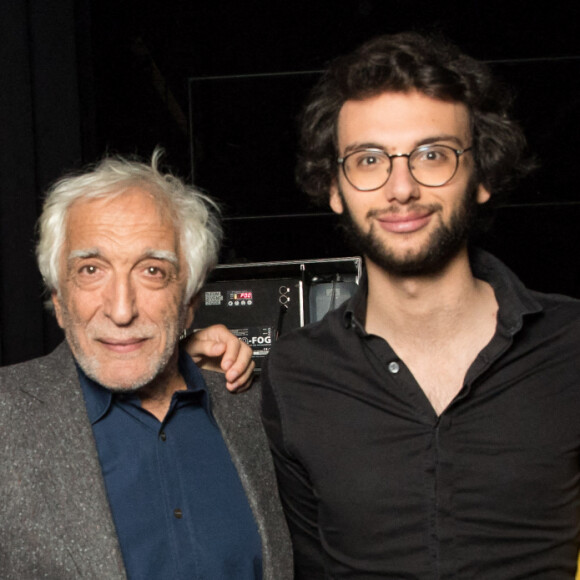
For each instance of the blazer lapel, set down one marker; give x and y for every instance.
(238, 417)
(69, 474)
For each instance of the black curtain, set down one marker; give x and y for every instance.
(45, 68)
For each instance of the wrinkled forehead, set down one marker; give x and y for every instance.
(130, 221)
(132, 202)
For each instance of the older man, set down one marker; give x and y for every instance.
(119, 457)
(429, 427)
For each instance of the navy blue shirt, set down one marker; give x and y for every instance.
(177, 501)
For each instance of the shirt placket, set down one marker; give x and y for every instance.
(180, 523)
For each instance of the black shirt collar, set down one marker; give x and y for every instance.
(514, 299)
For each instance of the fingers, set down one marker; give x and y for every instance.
(243, 381)
(213, 342)
(216, 348)
(236, 356)
(238, 366)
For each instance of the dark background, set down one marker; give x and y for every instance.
(219, 84)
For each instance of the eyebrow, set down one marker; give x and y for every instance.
(424, 141)
(165, 255)
(439, 138)
(80, 254)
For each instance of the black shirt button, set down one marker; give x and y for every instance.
(178, 513)
(162, 436)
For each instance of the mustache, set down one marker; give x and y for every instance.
(116, 334)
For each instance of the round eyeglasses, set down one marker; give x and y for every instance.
(429, 165)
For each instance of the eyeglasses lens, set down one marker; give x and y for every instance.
(431, 165)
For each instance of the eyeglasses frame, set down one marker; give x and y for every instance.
(391, 156)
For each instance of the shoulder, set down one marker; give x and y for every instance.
(238, 416)
(242, 408)
(42, 384)
(542, 311)
(554, 332)
(304, 353)
(310, 337)
(58, 365)
(559, 311)
(558, 302)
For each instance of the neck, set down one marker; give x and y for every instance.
(156, 396)
(415, 305)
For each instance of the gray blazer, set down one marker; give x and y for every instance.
(55, 520)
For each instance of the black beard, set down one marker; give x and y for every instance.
(445, 242)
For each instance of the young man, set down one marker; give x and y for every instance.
(429, 427)
(120, 458)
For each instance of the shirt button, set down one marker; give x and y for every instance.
(393, 367)
(162, 436)
(178, 513)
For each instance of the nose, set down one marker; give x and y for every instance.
(401, 186)
(120, 301)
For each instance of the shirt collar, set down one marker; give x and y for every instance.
(356, 307)
(514, 299)
(98, 399)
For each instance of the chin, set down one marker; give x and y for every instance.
(121, 376)
(425, 263)
(120, 386)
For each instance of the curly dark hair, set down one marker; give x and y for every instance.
(400, 63)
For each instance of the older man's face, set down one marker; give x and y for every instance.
(122, 289)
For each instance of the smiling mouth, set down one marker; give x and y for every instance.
(122, 346)
(404, 223)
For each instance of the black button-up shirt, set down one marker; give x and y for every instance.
(376, 485)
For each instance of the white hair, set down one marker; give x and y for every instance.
(195, 216)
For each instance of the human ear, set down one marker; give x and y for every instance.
(190, 309)
(57, 308)
(335, 199)
(483, 194)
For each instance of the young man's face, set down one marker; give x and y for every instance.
(122, 289)
(404, 227)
